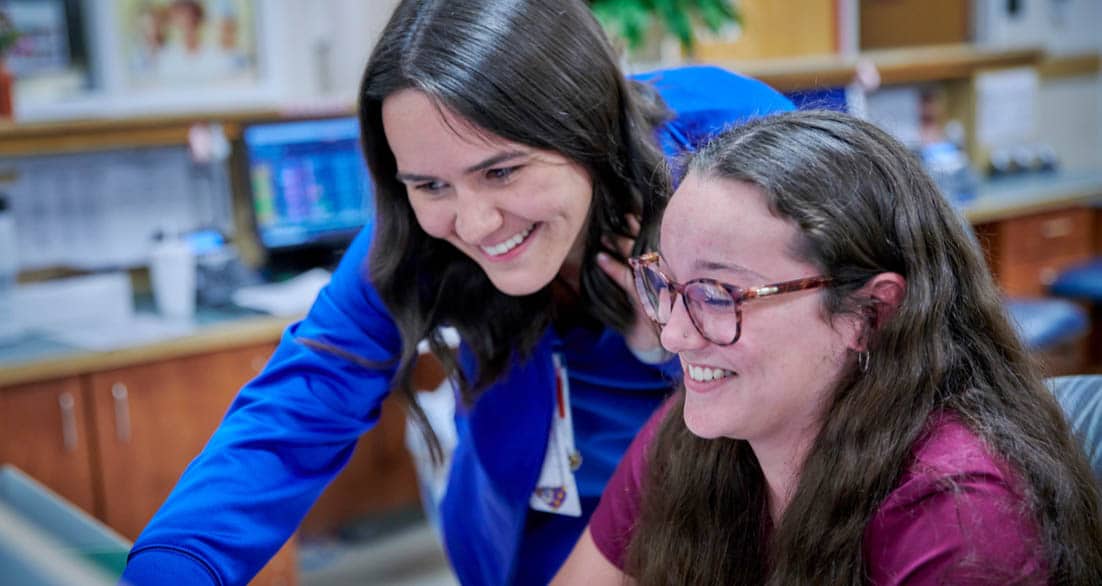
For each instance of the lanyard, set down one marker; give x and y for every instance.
(557, 491)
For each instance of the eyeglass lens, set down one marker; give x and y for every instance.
(712, 309)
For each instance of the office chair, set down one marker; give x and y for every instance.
(1081, 398)
(1046, 323)
(1083, 282)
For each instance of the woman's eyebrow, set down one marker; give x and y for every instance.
(713, 265)
(494, 160)
(480, 166)
(412, 178)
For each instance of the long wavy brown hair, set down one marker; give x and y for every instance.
(530, 71)
(864, 206)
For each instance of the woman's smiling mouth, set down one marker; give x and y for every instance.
(503, 248)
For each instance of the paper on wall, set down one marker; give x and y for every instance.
(1006, 106)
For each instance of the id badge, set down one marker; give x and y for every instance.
(556, 491)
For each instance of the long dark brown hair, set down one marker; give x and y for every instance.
(533, 72)
(864, 206)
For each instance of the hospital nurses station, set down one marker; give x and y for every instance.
(167, 211)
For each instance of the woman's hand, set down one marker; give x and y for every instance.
(642, 336)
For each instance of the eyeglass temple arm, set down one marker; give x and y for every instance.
(785, 287)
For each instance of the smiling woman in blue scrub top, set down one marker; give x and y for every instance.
(513, 167)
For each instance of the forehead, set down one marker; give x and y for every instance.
(419, 129)
(717, 220)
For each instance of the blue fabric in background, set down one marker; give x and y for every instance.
(1081, 399)
(831, 98)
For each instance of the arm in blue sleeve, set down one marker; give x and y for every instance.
(707, 99)
(284, 438)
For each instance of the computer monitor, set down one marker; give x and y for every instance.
(309, 185)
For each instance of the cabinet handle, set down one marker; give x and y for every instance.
(68, 421)
(122, 412)
(1048, 275)
(1056, 228)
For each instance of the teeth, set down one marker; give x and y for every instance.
(503, 247)
(704, 374)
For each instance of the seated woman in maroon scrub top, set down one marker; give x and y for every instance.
(856, 407)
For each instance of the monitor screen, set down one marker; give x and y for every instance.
(309, 183)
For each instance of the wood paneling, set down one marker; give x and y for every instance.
(43, 432)
(1059, 66)
(153, 419)
(777, 29)
(896, 66)
(1027, 253)
(910, 23)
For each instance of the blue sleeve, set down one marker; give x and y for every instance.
(286, 435)
(706, 99)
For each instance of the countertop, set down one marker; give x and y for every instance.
(37, 356)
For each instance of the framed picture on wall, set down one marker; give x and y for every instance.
(150, 57)
(171, 44)
(43, 44)
(155, 56)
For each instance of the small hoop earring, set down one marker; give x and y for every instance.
(863, 359)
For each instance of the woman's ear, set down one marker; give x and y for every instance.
(886, 291)
(881, 296)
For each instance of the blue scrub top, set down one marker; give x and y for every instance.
(292, 429)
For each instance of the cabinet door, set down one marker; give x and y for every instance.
(153, 419)
(43, 433)
(1028, 252)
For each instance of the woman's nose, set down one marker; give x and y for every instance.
(476, 217)
(679, 334)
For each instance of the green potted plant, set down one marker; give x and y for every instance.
(9, 35)
(632, 21)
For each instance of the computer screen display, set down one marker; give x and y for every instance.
(309, 183)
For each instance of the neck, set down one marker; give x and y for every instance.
(780, 465)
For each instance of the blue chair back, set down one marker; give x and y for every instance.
(1081, 398)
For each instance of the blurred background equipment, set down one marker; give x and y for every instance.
(46, 541)
(309, 189)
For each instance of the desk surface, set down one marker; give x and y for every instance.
(37, 358)
(1001, 199)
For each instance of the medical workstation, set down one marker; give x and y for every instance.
(177, 187)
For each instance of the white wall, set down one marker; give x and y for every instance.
(1069, 118)
(1069, 109)
(323, 45)
(1060, 26)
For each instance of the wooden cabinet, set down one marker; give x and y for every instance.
(113, 432)
(152, 419)
(1026, 253)
(44, 432)
(909, 23)
(114, 442)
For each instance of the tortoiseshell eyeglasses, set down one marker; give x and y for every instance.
(715, 308)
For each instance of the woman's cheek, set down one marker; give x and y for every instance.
(434, 221)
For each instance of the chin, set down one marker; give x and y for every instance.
(703, 425)
(520, 285)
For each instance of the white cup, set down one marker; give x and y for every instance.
(172, 275)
